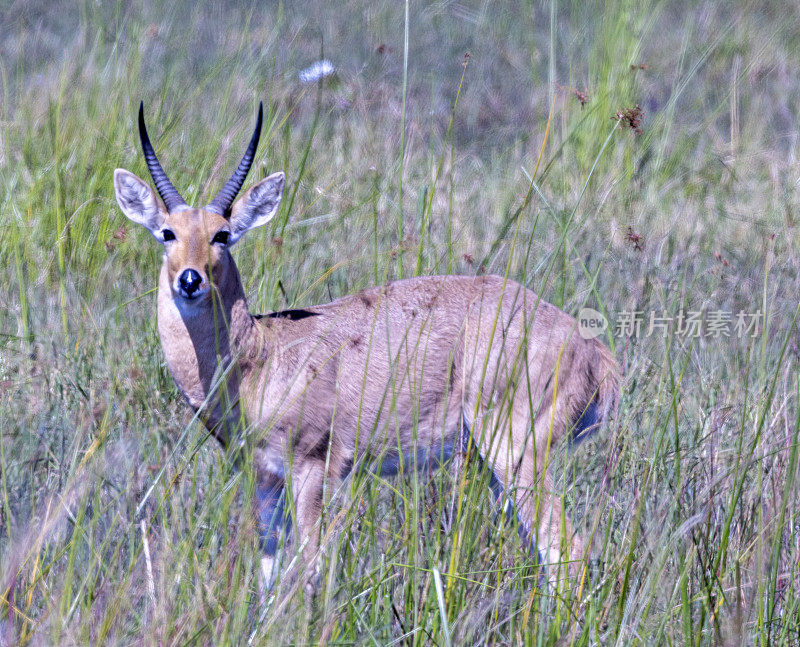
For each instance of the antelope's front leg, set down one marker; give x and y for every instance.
(272, 519)
(307, 490)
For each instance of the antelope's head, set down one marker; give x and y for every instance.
(196, 241)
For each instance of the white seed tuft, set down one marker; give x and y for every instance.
(316, 71)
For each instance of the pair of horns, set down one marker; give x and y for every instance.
(221, 204)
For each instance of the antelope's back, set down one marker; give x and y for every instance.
(413, 353)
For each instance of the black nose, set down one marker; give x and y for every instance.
(189, 282)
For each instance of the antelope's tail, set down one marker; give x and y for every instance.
(603, 394)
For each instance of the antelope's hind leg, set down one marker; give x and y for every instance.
(517, 459)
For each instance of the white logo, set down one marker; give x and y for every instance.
(591, 323)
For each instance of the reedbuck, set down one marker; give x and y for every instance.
(402, 374)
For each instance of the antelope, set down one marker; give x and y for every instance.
(403, 374)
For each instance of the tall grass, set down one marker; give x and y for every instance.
(122, 522)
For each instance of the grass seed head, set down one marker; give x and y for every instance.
(631, 118)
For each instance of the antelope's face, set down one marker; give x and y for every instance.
(196, 241)
(195, 252)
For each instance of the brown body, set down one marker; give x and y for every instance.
(390, 376)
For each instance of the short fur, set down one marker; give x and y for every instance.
(389, 375)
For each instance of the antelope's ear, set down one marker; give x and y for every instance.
(138, 201)
(257, 206)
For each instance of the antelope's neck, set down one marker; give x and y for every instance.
(207, 346)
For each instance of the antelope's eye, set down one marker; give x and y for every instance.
(221, 237)
(168, 235)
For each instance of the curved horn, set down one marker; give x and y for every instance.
(172, 199)
(222, 202)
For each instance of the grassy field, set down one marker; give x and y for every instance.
(121, 522)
